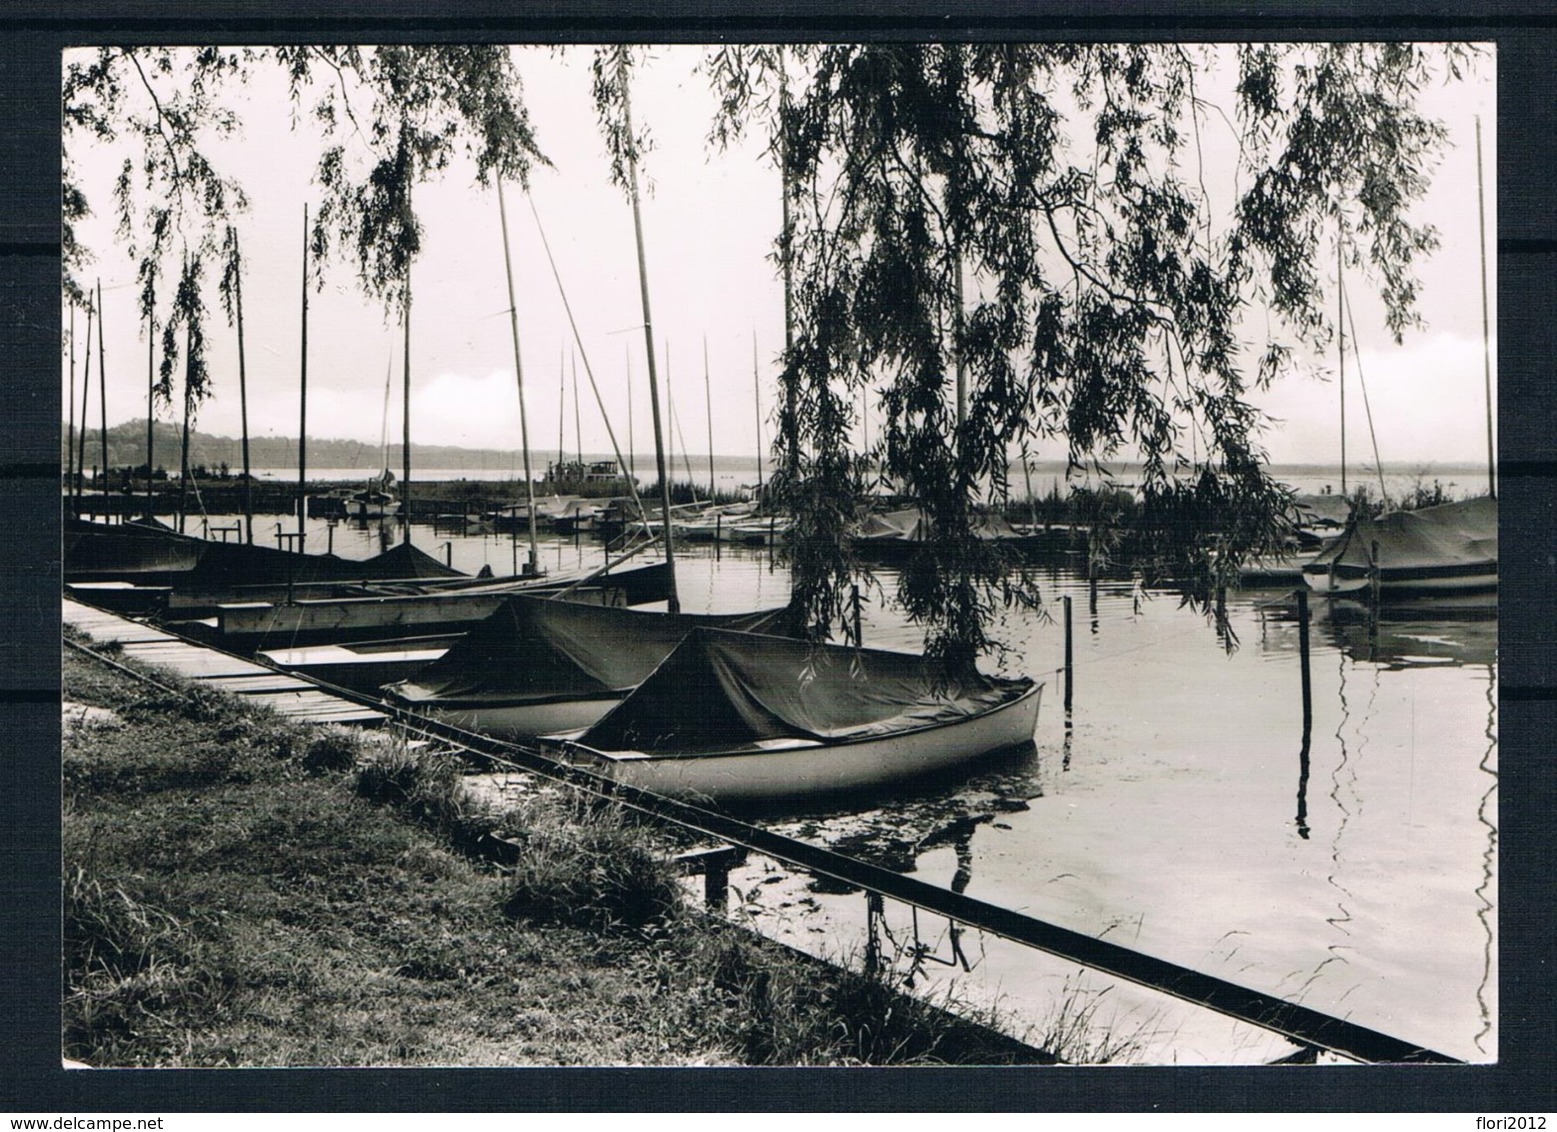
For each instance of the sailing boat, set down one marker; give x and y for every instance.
(1449, 551)
(375, 501)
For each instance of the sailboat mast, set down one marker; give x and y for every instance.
(183, 459)
(756, 387)
(151, 382)
(102, 393)
(632, 457)
(405, 416)
(243, 391)
(1486, 331)
(524, 422)
(70, 433)
(708, 408)
(86, 389)
(674, 599)
(670, 416)
(1340, 327)
(578, 428)
(302, 419)
(562, 411)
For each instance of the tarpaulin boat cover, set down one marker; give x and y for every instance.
(534, 650)
(1452, 536)
(223, 566)
(133, 547)
(725, 690)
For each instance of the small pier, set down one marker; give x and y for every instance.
(293, 697)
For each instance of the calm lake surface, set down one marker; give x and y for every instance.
(1176, 815)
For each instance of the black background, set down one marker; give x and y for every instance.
(32, 36)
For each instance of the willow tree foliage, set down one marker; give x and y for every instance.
(387, 118)
(1016, 248)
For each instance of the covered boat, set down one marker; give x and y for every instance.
(1451, 549)
(537, 666)
(140, 550)
(741, 717)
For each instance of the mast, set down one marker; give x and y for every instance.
(708, 408)
(183, 458)
(670, 417)
(151, 385)
(243, 390)
(578, 428)
(632, 458)
(302, 421)
(562, 414)
(102, 394)
(86, 389)
(1340, 327)
(756, 385)
(70, 434)
(674, 600)
(524, 423)
(1486, 333)
(405, 417)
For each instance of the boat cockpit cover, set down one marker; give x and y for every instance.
(721, 690)
(532, 649)
(226, 565)
(1451, 534)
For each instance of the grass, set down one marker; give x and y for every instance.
(240, 890)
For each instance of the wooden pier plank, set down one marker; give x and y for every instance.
(291, 696)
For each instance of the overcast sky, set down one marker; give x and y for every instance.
(709, 225)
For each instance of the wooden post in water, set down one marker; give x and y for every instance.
(1303, 657)
(1069, 658)
(854, 600)
(1308, 715)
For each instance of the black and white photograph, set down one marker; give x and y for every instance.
(951, 552)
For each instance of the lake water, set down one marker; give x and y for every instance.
(1175, 815)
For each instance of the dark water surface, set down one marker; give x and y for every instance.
(1178, 814)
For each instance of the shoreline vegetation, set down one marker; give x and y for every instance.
(242, 890)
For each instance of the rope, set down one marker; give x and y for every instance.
(588, 370)
(1378, 465)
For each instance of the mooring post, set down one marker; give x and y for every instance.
(1308, 697)
(854, 599)
(873, 915)
(718, 537)
(1069, 669)
(329, 537)
(1308, 715)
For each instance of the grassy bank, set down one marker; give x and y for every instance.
(240, 890)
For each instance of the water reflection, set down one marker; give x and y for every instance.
(1486, 891)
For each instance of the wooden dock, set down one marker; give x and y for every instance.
(292, 696)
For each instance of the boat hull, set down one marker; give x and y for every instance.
(793, 769)
(1427, 581)
(521, 722)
